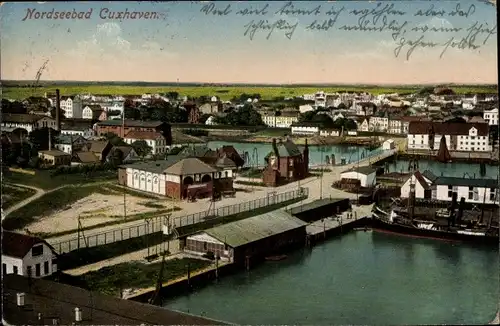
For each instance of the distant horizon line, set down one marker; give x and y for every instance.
(229, 84)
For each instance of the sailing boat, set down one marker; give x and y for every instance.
(443, 154)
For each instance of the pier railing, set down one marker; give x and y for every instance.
(154, 225)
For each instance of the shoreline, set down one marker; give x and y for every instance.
(311, 141)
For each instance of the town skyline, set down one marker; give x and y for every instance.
(161, 50)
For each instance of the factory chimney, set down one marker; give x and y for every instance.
(58, 110)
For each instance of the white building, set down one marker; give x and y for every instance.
(85, 132)
(281, 120)
(329, 132)
(69, 143)
(365, 174)
(27, 256)
(320, 99)
(473, 137)
(305, 108)
(155, 140)
(305, 128)
(363, 125)
(388, 145)
(364, 108)
(72, 107)
(429, 186)
(92, 111)
(491, 116)
(28, 122)
(379, 124)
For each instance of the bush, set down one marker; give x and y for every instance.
(209, 255)
(196, 132)
(86, 169)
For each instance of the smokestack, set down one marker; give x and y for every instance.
(460, 212)
(453, 207)
(411, 199)
(58, 109)
(50, 139)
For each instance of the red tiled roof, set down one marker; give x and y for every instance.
(136, 134)
(17, 244)
(446, 128)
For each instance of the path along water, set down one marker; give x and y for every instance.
(360, 278)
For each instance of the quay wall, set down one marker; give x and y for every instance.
(491, 160)
(210, 275)
(348, 226)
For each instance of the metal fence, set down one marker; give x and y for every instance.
(153, 225)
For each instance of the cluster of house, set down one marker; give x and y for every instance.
(441, 188)
(432, 187)
(79, 142)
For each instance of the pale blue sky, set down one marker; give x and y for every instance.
(193, 47)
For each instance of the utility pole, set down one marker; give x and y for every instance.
(124, 204)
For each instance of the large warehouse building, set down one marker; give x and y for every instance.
(254, 237)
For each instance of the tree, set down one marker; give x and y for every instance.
(144, 113)
(323, 119)
(132, 113)
(173, 95)
(40, 138)
(53, 113)
(116, 158)
(245, 116)
(13, 107)
(307, 116)
(114, 139)
(204, 117)
(141, 148)
(128, 103)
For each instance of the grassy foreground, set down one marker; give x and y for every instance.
(112, 280)
(225, 93)
(44, 180)
(12, 195)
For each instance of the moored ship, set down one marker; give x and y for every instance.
(445, 224)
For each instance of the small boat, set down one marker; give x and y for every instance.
(362, 229)
(276, 258)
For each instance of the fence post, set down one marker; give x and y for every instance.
(60, 251)
(114, 236)
(129, 232)
(96, 239)
(69, 244)
(88, 241)
(105, 237)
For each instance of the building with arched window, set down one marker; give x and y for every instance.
(179, 177)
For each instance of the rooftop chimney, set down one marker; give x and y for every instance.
(58, 109)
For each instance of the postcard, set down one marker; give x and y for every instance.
(250, 162)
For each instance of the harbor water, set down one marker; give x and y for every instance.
(361, 278)
(453, 169)
(317, 154)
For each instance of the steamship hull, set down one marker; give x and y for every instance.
(379, 225)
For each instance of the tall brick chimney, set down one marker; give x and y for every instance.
(58, 110)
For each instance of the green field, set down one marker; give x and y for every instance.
(11, 195)
(112, 280)
(44, 180)
(225, 93)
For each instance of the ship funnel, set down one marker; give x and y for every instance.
(460, 212)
